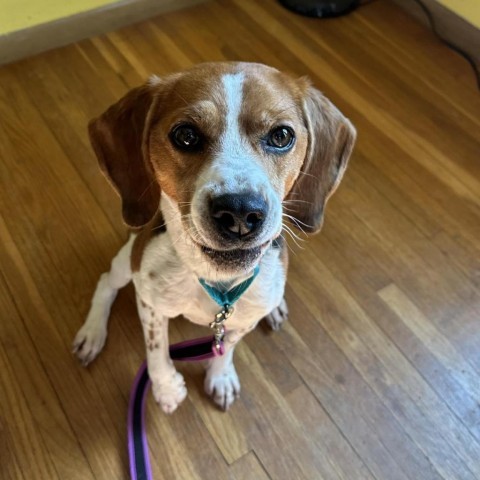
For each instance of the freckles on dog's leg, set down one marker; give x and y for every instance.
(168, 386)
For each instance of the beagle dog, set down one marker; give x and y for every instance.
(208, 163)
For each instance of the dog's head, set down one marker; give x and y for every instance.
(228, 144)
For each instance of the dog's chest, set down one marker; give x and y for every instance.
(168, 286)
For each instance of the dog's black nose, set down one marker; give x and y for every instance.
(238, 215)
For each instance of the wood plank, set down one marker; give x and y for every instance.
(352, 255)
(248, 467)
(330, 375)
(63, 372)
(34, 457)
(391, 376)
(433, 217)
(269, 424)
(427, 266)
(317, 425)
(52, 428)
(431, 337)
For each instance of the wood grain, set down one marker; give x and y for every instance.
(377, 374)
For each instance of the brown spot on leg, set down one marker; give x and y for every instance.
(151, 334)
(143, 304)
(152, 275)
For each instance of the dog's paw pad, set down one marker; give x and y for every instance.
(224, 388)
(88, 343)
(169, 395)
(277, 316)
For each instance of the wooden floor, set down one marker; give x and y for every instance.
(377, 374)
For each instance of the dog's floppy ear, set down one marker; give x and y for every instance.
(330, 143)
(120, 140)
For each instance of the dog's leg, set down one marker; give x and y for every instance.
(221, 380)
(278, 315)
(168, 386)
(90, 339)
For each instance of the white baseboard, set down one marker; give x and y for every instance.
(23, 43)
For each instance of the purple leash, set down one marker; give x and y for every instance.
(190, 350)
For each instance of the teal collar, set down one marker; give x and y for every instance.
(230, 297)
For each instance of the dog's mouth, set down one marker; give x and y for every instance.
(235, 259)
(234, 255)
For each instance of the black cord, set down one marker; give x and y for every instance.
(433, 27)
(450, 45)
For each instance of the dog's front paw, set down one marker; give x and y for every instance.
(170, 394)
(89, 342)
(277, 316)
(224, 388)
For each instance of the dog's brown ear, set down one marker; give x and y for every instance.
(330, 143)
(119, 138)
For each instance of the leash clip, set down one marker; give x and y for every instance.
(218, 327)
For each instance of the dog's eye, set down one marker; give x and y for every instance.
(186, 137)
(281, 138)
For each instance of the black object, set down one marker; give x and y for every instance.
(450, 45)
(320, 8)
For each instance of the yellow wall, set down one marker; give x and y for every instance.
(20, 14)
(468, 9)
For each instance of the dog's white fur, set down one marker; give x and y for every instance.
(167, 282)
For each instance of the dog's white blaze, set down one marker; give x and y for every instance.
(235, 166)
(232, 142)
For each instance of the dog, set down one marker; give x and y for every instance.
(208, 163)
